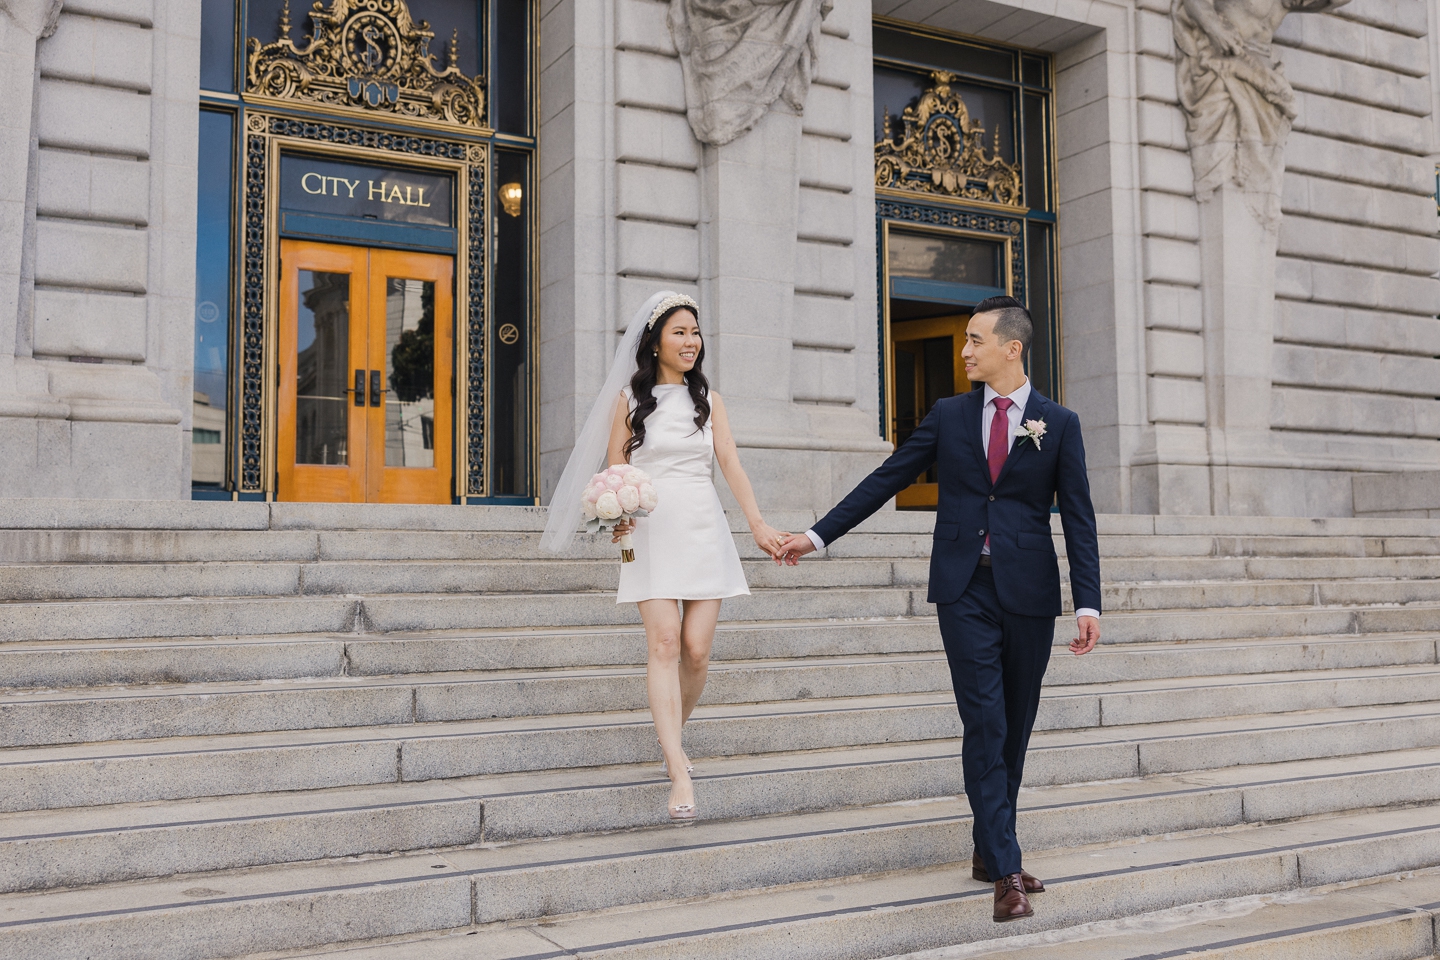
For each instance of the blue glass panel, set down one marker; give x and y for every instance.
(217, 45)
(214, 240)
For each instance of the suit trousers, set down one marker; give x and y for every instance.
(997, 661)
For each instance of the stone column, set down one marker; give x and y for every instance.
(23, 386)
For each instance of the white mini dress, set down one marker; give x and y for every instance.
(684, 549)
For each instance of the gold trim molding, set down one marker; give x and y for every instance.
(367, 54)
(941, 152)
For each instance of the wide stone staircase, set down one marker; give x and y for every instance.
(252, 730)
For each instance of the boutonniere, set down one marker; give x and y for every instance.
(1031, 430)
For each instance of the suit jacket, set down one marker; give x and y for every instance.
(1014, 511)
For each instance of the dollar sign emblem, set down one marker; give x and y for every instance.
(372, 55)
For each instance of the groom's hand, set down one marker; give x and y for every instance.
(1089, 629)
(793, 549)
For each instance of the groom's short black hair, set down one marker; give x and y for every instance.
(1012, 322)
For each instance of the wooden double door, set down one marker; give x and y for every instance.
(365, 400)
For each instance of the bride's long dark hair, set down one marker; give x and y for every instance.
(642, 385)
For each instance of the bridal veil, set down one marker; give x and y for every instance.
(591, 446)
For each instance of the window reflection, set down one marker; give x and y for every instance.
(322, 408)
(948, 259)
(213, 241)
(410, 372)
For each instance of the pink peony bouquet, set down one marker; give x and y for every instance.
(617, 493)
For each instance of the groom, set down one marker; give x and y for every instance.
(1005, 455)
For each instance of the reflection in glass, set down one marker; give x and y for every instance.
(322, 404)
(949, 54)
(510, 76)
(410, 372)
(217, 45)
(948, 259)
(1039, 271)
(1037, 197)
(213, 238)
(509, 340)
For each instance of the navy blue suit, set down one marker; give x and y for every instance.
(997, 622)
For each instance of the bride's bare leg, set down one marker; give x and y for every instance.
(697, 636)
(662, 683)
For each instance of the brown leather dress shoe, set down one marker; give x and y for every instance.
(1010, 900)
(1033, 885)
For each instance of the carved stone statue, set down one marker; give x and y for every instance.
(1238, 105)
(740, 56)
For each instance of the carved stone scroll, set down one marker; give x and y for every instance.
(369, 54)
(941, 151)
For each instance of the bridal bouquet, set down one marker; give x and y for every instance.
(614, 494)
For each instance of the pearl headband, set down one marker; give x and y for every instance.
(668, 304)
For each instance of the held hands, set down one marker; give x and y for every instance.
(1089, 629)
(769, 539)
(793, 549)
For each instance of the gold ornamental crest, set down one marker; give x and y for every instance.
(368, 54)
(941, 150)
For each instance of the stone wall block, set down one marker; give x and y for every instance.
(1155, 79)
(827, 113)
(824, 322)
(822, 376)
(70, 323)
(1311, 410)
(1332, 117)
(834, 62)
(1172, 261)
(826, 163)
(634, 291)
(1161, 125)
(1293, 279)
(1358, 163)
(1175, 401)
(649, 136)
(1167, 215)
(1349, 40)
(1081, 175)
(826, 215)
(87, 187)
(647, 80)
(139, 12)
(1080, 83)
(1349, 243)
(1172, 307)
(1154, 35)
(640, 25)
(1354, 203)
(89, 50)
(824, 268)
(1322, 74)
(657, 250)
(87, 117)
(1086, 128)
(1329, 325)
(657, 193)
(1364, 287)
(1175, 354)
(1166, 170)
(90, 256)
(1400, 16)
(1387, 373)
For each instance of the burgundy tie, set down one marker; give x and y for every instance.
(999, 437)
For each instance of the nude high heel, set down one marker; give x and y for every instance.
(665, 765)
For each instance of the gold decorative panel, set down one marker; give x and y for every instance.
(941, 151)
(370, 55)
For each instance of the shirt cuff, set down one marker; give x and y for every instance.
(815, 539)
(1086, 612)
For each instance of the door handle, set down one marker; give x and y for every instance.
(359, 388)
(375, 390)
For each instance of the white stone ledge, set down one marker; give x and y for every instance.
(89, 187)
(1359, 163)
(139, 12)
(825, 268)
(1332, 411)
(103, 52)
(661, 194)
(1361, 83)
(823, 322)
(72, 323)
(1154, 34)
(834, 62)
(655, 137)
(822, 376)
(1359, 123)
(1168, 215)
(634, 290)
(657, 250)
(640, 25)
(827, 113)
(1327, 325)
(647, 80)
(826, 163)
(1155, 79)
(87, 117)
(1173, 353)
(1331, 242)
(1168, 171)
(1366, 206)
(1346, 285)
(1400, 16)
(1349, 40)
(1173, 400)
(91, 256)
(1172, 307)
(1161, 125)
(826, 216)
(1172, 261)
(1337, 368)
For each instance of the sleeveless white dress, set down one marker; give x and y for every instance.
(683, 549)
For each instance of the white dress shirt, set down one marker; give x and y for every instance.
(1018, 397)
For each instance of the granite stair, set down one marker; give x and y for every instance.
(282, 730)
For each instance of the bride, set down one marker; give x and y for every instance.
(670, 424)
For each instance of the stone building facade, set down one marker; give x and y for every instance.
(1233, 266)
